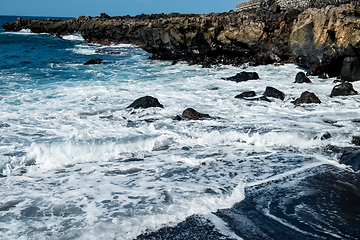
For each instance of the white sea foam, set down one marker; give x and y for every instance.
(73, 37)
(81, 165)
(24, 32)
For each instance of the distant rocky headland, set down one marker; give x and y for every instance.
(323, 37)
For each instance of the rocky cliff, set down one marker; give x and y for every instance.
(329, 36)
(228, 38)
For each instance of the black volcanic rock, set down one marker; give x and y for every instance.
(94, 61)
(274, 93)
(246, 94)
(343, 89)
(307, 97)
(146, 102)
(319, 203)
(192, 114)
(301, 78)
(243, 76)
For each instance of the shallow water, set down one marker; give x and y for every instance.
(77, 164)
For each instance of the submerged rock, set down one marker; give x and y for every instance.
(302, 78)
(192, 114)
(107, 51)
(343, 89)
(94, 61)
(274, 93)
(307, 97)
(246, 94)
(243, 76)
(145, 102)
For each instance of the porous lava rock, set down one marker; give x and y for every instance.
(146, 102)
(307, 97)
(243, 76)
(192, 114)
(94, 61)
(246, 94)
(274, 93)
(343, 89)
(301, 78)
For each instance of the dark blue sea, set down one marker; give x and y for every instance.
(75, 163)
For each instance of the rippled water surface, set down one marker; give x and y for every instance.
(75, 163)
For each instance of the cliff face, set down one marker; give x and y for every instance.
(327, 36)
(228, 38)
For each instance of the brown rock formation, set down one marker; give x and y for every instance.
(227, 38)
(326, 36)
(192, 114)
(307, 97)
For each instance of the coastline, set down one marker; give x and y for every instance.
(216, 39)
(267, 35)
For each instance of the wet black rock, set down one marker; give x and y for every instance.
(316, 70)
(356, 140)
(274, 93)
(177, 118)
(343, 89)
(352, 160)
(351, 69)
(326, 136)
(320, 192)
(302, 78)
(243, 76)
(146, 102)
(94, 61)
(195, 227)
(192, 114)
(246, 94)
(307, 97)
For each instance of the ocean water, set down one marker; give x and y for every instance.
(76, 164)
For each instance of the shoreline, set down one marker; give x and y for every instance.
(267, 35)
